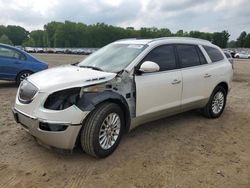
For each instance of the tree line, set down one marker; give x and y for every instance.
(71, 34)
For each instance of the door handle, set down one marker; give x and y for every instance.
(16, 62)
(176, 82)
(207, 75)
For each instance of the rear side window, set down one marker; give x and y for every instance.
(188, 55)
(9, 53)
(214, 54)
(227, 55)
(164, 56)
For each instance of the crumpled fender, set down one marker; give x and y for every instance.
(89, 100)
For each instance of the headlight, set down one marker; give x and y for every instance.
(27, 92)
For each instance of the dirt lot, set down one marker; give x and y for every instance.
(186, 150)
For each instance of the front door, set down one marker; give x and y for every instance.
(159, 92)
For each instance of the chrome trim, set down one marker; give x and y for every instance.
(31, 117)
(43, 120)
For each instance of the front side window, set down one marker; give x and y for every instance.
(214, 54)
(113, 57)
(188, 55)
(164, 56)
(9, 53)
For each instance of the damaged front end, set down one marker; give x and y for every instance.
(120, 90)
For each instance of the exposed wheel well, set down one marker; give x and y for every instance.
(124, 107)
(224, 85)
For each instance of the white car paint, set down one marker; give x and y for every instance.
(68, 76)
(157, 94)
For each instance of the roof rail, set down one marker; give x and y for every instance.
(185, 38)
(126, 39)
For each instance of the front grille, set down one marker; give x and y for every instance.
(27, 92)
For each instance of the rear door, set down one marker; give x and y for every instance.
(195, 73)
(220, 69)
(159, 91)
(11, 63)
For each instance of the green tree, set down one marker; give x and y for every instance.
(232, 44)
(38, 37)
(5, 40)
(221, 38)
(16, 34)
(247, 41)
(179, 33)
(50, 29)
(2, 30)
(241, 39)
(29, 43)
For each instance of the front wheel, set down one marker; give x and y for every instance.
(216, 103)
(102, 130)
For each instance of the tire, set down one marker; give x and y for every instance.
(91, 137)
(216, 103)
(22, 75)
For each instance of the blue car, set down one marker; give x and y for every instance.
(16, 65)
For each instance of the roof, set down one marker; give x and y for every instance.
(165, 39)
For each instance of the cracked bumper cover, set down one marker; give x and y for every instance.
(59, 139)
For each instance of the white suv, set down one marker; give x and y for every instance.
(122, 85)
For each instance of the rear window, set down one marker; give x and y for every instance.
(214, 54)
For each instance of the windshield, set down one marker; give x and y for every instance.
(113, 57)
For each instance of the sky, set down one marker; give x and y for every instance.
(202, 15)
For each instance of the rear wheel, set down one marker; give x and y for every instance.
(102, 130)
(22, 75)
(216, 103)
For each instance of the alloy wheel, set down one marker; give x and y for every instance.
(109, 131)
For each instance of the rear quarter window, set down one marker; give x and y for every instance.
(227, 55)
(214, 54)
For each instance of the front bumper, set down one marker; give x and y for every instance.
(59, 139)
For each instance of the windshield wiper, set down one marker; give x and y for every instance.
(91, 67)
(75, 64)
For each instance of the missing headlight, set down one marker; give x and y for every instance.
(61, 100)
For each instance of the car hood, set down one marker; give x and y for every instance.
(68, 76)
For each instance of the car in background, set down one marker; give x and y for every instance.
(30, 50)
(16, 65)
(232, 53)
(243, 55)
(229, 57)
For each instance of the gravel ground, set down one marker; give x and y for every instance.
(186, 150)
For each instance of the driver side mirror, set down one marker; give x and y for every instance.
(149, 66)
